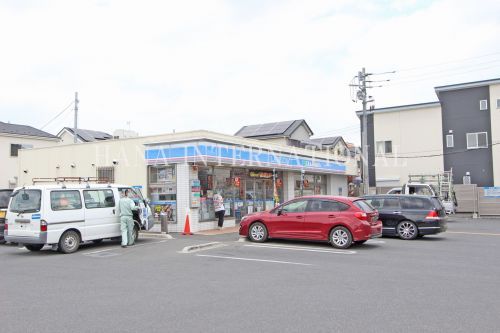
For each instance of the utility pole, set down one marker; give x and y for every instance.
(75, 135)
(361, 95)
(364, 133)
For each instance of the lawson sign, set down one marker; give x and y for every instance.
(238, 156)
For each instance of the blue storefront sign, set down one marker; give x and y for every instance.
(239, 156)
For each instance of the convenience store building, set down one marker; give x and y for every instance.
(181, 172)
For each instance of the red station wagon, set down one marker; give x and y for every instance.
(339, 220)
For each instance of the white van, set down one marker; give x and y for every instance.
(66, 215)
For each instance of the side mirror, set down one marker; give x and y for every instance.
(279, 212)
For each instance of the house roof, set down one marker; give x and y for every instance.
(24, 130)
(268, 130)
(88, 135)
(401, 108)
(466, 85)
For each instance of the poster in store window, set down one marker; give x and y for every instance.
(195, 194)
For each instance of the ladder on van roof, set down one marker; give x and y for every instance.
(442, 182)
(78, 180)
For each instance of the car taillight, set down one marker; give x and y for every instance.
(43, 225)
(6, 225)
(361, 216)
(433, 215)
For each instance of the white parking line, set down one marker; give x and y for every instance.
(373, 241)
(117, 247)
(94, 252)
(473, 233)
(252, 259)
(300, 248)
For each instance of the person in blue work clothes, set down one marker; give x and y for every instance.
(127, 206)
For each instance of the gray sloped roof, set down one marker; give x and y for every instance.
(24, 130)
(282, 128)
(89, 135)
(328, 141)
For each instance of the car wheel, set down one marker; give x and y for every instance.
(34, 247)
(407, 230)
(69, 242)
(340, 238)
(257, 232)
(97, 241)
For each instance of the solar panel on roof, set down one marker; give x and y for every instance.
(266, 129)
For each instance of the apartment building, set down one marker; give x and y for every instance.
(460, 131)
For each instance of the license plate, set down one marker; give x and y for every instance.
(2, 214)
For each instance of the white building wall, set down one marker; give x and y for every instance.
(336, 185)
(9, 165)
(67, 138)
(413, 133)
(288, 186)
(278, 141)
(301, 133)
(495, 131)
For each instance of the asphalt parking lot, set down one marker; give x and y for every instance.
(446, 283)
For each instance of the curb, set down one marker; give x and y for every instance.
(155, 235)
(199, 247)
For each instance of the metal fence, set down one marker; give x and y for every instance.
(472, 199)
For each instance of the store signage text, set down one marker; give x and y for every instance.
(238, 156)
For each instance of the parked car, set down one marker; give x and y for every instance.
(68, 215)
(4, 203)
(409, 216)
(339, 220)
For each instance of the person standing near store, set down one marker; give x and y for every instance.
(127, 206)
(219, 209)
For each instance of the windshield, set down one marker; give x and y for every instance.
(364, 205)
(26, 201)
(134, 194)
(4, 198)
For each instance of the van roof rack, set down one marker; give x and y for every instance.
(78, 180)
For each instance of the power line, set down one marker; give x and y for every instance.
(448, 70)
(58, 115)
(440, 76)
(447, 62)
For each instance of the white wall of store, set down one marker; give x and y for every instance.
(336, 185)
(495, 131)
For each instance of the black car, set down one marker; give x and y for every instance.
(409, 216)
(4, 203)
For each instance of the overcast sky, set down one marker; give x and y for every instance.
(219, 65)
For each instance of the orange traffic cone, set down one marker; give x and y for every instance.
(187, 227)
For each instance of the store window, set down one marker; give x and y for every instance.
(244, 191)
(311, 185)
(162, 189)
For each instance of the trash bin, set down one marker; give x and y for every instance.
(237, 216)
(164, 223)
